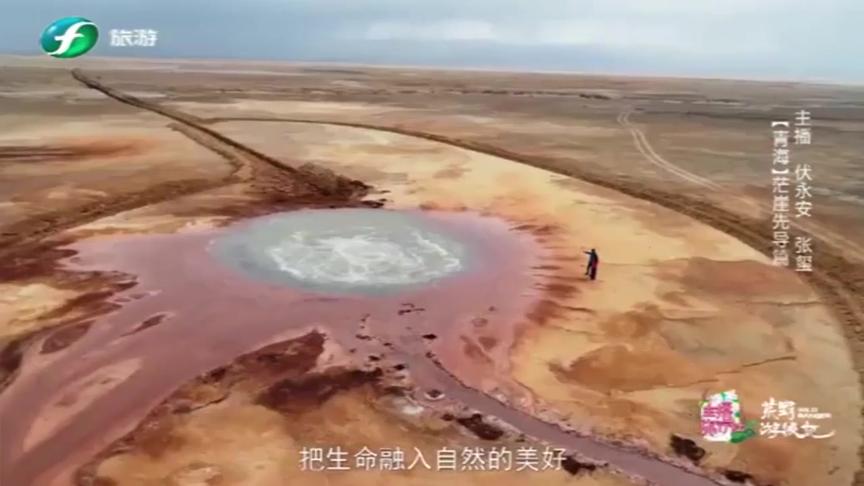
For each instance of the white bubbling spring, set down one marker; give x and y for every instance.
(365, 256)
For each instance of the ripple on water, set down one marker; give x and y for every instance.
(344, 250)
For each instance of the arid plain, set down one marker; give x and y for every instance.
(129, 357)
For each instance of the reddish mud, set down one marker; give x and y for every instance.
(64, 336)
(215, 314)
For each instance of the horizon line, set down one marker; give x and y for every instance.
(467, 68)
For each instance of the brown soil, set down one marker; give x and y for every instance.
(839, 281)
(574, 466)
(481, 429)
(633, 370)
(737, 476)
(296, 395)
(67, 153)
(687, 448)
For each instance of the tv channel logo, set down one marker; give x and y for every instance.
(69, 37)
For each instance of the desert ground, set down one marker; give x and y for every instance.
(131, 354)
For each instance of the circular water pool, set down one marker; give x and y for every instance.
(344, 249)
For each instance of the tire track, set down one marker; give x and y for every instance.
(652, 156)
(647, 151)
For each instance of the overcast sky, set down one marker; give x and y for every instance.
(785, 39)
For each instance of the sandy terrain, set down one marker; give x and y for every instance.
(666, 178)
(634, 352)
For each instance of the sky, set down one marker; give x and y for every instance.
(758, 39)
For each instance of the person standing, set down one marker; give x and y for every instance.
(593, 262)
